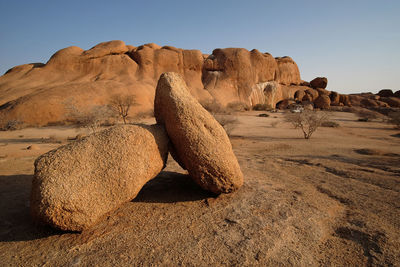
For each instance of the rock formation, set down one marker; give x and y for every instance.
(385, 93)
(319, 82)
(199, 142)
(76, 184)
(90, 77)
(39, 94)
(335, 98)
(322, 102)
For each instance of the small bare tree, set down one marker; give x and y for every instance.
(120, 105)
(308, 121)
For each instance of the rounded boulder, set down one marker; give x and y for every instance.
(323, 102)
(319, 82)
(199, 143)
(76, 184)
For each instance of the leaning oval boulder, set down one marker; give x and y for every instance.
(76, 184)
(199, 142)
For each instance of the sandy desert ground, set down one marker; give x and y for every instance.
(333, 200)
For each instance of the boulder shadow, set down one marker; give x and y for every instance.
(15, 220)
(172, 187)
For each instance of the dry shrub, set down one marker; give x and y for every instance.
(53, 139)
(228, 122)
(90, 118)
(11, 125)
(307, 121)
(331, 124)
(260, 107)
(238, 106)
(213, 107)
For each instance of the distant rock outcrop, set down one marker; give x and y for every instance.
(385, 93)
(76, 184)
(319, 82)
(335, 98)
(322, 102)
(199, 143)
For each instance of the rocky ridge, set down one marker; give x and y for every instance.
(37, 93)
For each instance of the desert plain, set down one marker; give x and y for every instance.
(332, 200)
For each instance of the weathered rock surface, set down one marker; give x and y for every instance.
(288, 72)
(299, 94)
(319, 82)
(345, 100)
(307, 98)
(236, 74)
(322, 102)
(312, 93)
(78, 183)
(385, 93)
(322, 91)
(367, 102)
(335, 98)
(284, 104)
(199, 142)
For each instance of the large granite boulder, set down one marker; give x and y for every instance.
(76, 184)
(199, 142)
(319, 82)
(322, 102)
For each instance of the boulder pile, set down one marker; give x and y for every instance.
(75, 185)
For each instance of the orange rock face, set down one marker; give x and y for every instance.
(37, 93)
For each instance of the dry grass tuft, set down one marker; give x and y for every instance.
(228, 122)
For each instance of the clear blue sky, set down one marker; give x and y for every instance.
(356, 44)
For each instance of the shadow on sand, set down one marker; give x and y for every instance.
(15, 220)
(171, 187)
(16, 223)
